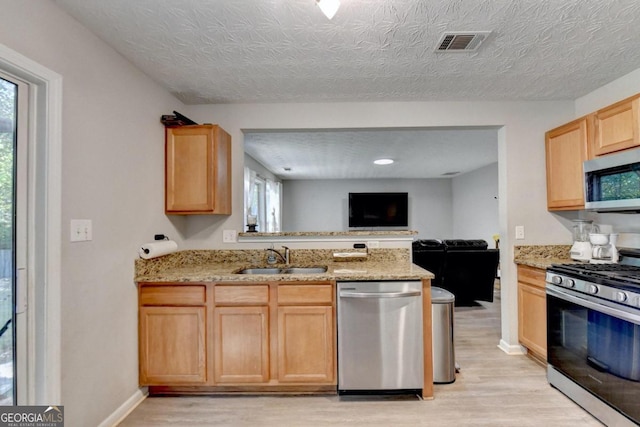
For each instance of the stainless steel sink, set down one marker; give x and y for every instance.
(283, 270)
(260, 270)
(305, 270)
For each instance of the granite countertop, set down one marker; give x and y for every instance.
(409, 233)
(221, 266)
(224, 272)
(542, 256)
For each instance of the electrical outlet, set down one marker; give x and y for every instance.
(81, 230)
(229, 236)
(519, 232)
(373, 244)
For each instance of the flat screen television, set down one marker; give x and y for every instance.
(371, 210)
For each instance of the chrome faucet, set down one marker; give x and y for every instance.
(271, 258)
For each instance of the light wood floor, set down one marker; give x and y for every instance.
(492, 389)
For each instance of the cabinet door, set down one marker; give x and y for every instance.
(241, 343)
(197, 175)
(566, 149)
(172, 345)
(532, 319)
(617, 127)
(306, 349)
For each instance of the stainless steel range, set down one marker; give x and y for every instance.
(593, 336)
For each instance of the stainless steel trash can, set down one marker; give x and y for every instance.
(444, 363)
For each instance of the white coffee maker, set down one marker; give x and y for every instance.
(582, 250)
(604, 248)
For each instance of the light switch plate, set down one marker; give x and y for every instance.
(81, 230)
(229, 236)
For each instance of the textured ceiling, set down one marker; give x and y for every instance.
(234, 51)
(245, 51)
(344, 154)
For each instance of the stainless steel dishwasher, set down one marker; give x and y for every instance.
(380, 337)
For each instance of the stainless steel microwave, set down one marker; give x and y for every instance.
(612, 182)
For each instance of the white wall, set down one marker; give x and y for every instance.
(475, 204)
(322, 205)
(113, 166)
(608, 94)
(259, 168)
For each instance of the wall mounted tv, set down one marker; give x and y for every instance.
(371, 210)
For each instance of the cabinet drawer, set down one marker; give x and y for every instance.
(532, 276)
(173, 295)
(241, 294)
(305, 294)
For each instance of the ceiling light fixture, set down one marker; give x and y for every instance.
(383, 161)
(328, 7)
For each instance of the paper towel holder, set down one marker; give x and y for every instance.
(156, 237)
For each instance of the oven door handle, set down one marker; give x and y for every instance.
(620, 314)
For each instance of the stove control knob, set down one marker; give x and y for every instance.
(556, 280)
(592, 289)
(571, 283)
(621, 296)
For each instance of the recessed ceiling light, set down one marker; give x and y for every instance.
(328, 7)
(383, 161)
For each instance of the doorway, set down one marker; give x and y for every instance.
(36, 212)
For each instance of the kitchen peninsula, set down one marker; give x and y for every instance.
(204, 327)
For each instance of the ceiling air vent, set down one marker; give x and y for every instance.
(461, 41)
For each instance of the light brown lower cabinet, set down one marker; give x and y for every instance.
(172, 345)
(241, 344)
(231, 337)
(306, 350)
(532, 311)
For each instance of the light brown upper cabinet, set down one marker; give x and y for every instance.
(197, 170)
(617, 127)
(566, 148)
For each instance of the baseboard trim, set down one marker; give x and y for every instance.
(512, 350)
(125, 409)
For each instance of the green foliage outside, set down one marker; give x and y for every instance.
(7, 116)
(7, 137)
(621, 186)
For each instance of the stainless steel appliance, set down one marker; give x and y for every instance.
(612, 182)
(593, 336)
(380, 337)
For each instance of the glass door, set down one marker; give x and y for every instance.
(9, 255)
